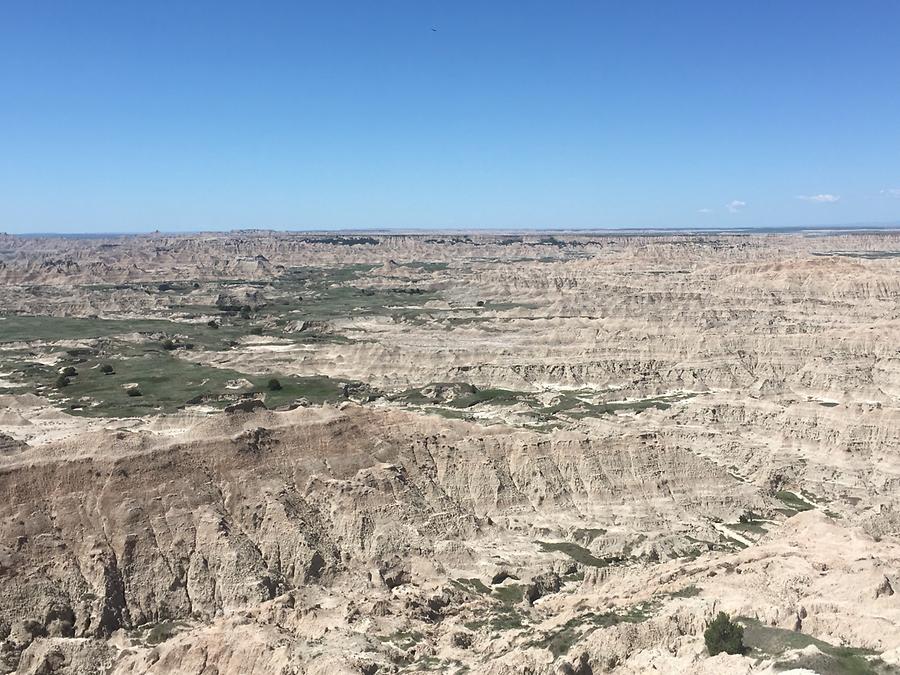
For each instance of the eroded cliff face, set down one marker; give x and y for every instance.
(236, 510)
(535, 457)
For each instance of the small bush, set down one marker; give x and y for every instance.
(274, 385)
(69, 371)
(161, 632)
(106, 369)
(134, 391)
(724, 635)
(212, 323)
(62, 381)
(256, 330)
(168, 345)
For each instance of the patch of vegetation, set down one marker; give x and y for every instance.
(504, 614)
(475, 585)
(748, 523)
(560, 640)
(731, 543)
(449, 414)
(578, 553)
(339, 240)
(511, 594)
(574, 405)
(588, 534)
(429, 663)
(833, 661)
(428, 266)
(724, 635)
(162, 632)
(50, 329)
(19, 328)
(493, 396)
(154, 634)
(498, 620)
(574, 576)
(692, 554)
(330, 294)
(686, 592)
(868, 255)
(793, 501)
(145, 379)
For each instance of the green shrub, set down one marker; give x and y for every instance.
(134, 391)
(106, 369)
(69, 371)
(168, 345)
(62, 381)
(724, 635)
(256, 330)
(161, 632)
(212, 323)
(274, 385)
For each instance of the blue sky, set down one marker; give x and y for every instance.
(126, 116)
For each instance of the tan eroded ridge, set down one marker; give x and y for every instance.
(486, 454)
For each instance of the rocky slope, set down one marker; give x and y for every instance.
(546, 455)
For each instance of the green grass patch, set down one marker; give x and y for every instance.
(578, 553)
(560, 640)
(793, 501)
(21, 328)
(510, 594)
(476, 585)
(686, 592)
(749, 527)
(833, 661)
(166, 381)
(493, 396)
(331, 294)
(157, 633)
(588, 534)
(573, 406)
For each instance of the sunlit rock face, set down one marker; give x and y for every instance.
(285, 453)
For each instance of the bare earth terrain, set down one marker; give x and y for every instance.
(489, 454)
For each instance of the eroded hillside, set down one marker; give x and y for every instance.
(283, 453)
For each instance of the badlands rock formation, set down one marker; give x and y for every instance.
(285, 453)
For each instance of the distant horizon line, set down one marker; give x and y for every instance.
(857, 227)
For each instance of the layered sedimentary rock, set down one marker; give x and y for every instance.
(535, 454)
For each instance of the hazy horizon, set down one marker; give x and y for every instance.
(534, 231)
